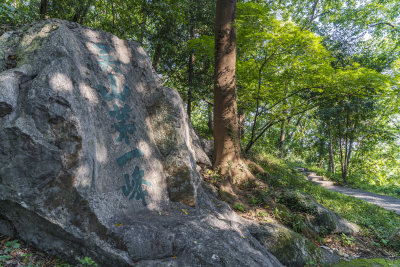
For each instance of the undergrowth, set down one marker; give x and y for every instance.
(16, 253)
(373, 220)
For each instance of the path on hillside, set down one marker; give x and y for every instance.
(386, 202)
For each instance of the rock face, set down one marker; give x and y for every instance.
(320, 219)
(291, 248)
(326, 221)
(98, 159)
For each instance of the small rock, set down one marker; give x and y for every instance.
(325, 247)
(215, 257)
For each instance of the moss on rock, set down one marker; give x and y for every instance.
(293, 249)
(290, 248)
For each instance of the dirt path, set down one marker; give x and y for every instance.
(386, 202)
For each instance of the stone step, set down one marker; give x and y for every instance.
(323, 183)
(315, 178)
(301, 169)
(310, 173)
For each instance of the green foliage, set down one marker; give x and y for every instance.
(7, 13)
(87, 261)
(4, 258)
(11, 245)
(239, 207)
(346, 240)
(368, 263)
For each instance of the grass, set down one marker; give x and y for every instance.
(368, 263)
(373, 220)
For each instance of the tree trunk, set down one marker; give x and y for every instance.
(81, 12)
(43, 8)
(191, 63)
(321, 153)
(210, 117)
(241, 118)
(143, 23)
(342, 158)
(227, 157)
(282, 139)
(156, 56)
(331, 156)
(85, 11)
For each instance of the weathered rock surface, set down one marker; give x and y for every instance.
(208, 147)
(326, 221)
(321, 220)
(98, 159)
(291, 248)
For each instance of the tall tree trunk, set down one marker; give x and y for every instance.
(210, 117)
(85, 11)
(349, 154)
(342, 158)
(253, 129)
(191, 62)
(43, 8)
(331, 156)
(283, 129)
(226, 127)
(321, 153)
(241, 118)
(282, 139)
(312, 16)
(77, 14)
(143, 23)
(81, 12)
(295, 127)
(156, 56)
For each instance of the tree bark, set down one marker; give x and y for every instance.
(43, 8)
(312, 17)
(241, 117)
(191, 63)
(85, 11)
(342, 158)
(227, 157)
(331, 155)
(282, 139)
(156, 56)
(210, 118)
(81, 12)
(321, 153)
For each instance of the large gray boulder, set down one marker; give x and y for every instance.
(98, 159)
